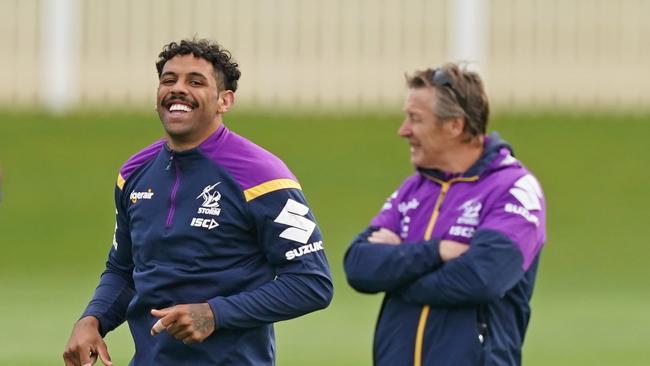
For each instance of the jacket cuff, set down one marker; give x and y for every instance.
(103, 329)
(221, 309)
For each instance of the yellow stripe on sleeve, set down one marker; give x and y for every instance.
(270, 186)
(120, 181)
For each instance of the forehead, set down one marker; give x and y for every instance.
(183, 64)
(420, 99)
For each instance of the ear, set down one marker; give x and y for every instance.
(226, 101)
(455, 126)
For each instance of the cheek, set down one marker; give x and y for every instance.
(422, 132)
(160, 94)
(427, 138)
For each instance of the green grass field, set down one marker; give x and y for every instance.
(591, 302)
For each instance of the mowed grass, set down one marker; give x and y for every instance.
(591, 302)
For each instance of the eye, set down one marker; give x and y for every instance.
(414, 118)
(196, 83)
(167, 81)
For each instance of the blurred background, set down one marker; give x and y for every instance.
(322, 87)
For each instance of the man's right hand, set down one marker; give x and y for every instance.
(86, 344)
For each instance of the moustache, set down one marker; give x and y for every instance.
(169, 101)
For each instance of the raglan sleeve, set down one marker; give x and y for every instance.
(375, 267)
(116, 289)
(504, 246)
(292, 243)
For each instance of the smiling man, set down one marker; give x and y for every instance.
(214, 241)
(455, 249)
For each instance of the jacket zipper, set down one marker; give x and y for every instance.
(422, 323)
(172, 198)
(419, 335)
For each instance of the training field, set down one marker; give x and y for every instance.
(591, 304)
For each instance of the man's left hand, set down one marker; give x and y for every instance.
(190, 323)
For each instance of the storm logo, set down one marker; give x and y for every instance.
(211, 197)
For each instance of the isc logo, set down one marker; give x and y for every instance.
(205, 223)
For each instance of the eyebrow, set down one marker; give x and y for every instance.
(193, 73)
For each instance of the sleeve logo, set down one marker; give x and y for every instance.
(293, 214)
(529, 194)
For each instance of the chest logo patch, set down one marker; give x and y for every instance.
(468, 220)
(471, 210)
(210, 197)
(404, 208)
(136, 196)
(210, 206)
(204, 223)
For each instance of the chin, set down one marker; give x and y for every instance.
(176, 130)
(416, 161)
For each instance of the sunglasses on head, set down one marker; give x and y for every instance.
(441, 78)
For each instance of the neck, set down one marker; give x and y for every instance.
(183, 143)
(460, 158)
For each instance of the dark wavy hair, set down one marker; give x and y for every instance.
(225, 66)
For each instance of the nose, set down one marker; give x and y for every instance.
(404, 129)
(178, 88)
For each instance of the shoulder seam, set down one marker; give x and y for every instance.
(150, 152)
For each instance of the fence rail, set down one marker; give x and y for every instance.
(336, 53)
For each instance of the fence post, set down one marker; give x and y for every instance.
(59, 54)
(468, 32)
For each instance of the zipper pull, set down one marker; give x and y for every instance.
(171, 160)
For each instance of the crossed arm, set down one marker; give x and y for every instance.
(435, 272)
(377, 261)
(447, 249)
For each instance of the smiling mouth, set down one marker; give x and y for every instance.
(179, 108)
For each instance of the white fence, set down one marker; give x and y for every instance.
(329, 53)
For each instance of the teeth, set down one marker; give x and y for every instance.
(179, 107)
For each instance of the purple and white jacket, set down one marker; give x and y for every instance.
(472, 310)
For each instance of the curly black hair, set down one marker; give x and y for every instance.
(225, 66)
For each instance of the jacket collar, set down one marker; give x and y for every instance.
(495, 150)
